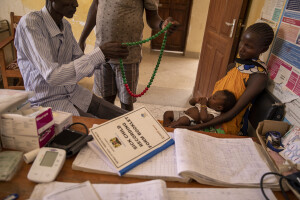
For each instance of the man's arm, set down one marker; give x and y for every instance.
(255, 85)
(89, 24)
(32, 43)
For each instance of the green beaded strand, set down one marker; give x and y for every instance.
(157, 64)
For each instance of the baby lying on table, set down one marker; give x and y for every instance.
(203, 110)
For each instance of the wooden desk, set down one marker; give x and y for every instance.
(22, 186)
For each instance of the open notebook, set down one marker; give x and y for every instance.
(205, 159)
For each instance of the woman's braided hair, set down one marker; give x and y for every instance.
(265, 32)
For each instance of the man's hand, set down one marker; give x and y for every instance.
(114, 50)
(173, 27)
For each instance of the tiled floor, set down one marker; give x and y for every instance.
(172, 86)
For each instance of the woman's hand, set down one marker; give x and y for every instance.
(194, 127)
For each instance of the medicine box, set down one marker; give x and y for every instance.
(61, 120)
(27, 129)
(274, 159)
(27, 143)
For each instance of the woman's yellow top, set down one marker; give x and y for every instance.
(235, 82)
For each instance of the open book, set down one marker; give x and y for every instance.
(149, 190)
(208, 160)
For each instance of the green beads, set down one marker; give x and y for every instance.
(157, 64)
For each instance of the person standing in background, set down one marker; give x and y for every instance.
(121, 20)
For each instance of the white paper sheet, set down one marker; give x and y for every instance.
(149, 190)
(218, 194)
(74, 192)
(154, 190)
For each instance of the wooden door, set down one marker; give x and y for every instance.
(220, 42)
(180, 11)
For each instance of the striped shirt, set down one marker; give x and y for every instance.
(52, 63)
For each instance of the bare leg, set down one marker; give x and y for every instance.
(168, 118)
(182, 121)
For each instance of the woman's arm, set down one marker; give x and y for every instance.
(255, 84)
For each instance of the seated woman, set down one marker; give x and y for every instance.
(245, 80)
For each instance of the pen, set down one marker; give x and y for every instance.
(12, 197)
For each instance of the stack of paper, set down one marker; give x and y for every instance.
(150, 190)
(10, 162)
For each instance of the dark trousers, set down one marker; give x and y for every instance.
(99, 108)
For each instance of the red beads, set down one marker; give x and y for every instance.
(135, 95)
(157, 65)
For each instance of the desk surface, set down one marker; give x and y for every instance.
(22, 186)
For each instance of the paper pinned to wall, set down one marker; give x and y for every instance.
(271, 11)
(283, 93)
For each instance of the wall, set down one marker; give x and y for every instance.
(197, 26)
(254, 11)
(196, 29)
(256, 7)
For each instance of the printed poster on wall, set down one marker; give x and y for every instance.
(284, 60)
(271, 11)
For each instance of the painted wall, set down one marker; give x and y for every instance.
(197, 26)
(253, 15)
(255, 10)
(195, 36)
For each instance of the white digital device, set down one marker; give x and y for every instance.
(47, 165)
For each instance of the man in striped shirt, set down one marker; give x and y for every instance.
(52, 63)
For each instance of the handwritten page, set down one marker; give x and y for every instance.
(43, 189)
(74, 192)
(88, 160)
(219, 161)
(149, 190)
(219, 193)
(155, 189)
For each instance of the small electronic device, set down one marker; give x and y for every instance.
(70, 140)
(47, 165)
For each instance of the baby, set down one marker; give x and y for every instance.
(203, 109)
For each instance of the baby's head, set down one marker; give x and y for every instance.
(255, 40)
(221, 101)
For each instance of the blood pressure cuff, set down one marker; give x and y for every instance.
(70, 140)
